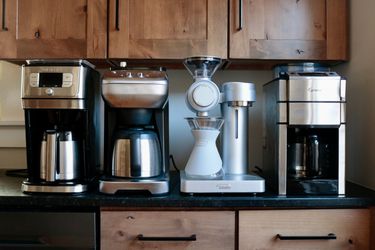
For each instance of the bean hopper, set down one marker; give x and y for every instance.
(206, 171)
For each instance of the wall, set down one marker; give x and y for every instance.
(360, 71)
(12, 137)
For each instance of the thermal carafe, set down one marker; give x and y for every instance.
(136, 154)
(304, 133)
(58, 156)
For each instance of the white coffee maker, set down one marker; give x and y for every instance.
(205, 171)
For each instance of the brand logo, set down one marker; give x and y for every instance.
(314, 90)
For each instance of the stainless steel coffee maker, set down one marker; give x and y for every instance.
(136, 131)
(304, 124)
(62, 107)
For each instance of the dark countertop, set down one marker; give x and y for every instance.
(11, 197)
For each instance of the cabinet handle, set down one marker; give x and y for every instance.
(330, 236)
(3, 27)
(240, 14)
(117, 25)
(140, 237)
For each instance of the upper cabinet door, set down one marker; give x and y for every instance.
(288, 29)
(55, 29)
(169, 29)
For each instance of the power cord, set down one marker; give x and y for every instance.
(17, 173)
(173, 163)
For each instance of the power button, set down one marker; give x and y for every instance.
(49, 91)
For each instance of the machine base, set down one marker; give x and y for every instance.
(156, 186)
(68, 188)
(228, 184)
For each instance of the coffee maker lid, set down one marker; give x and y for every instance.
(47, 62)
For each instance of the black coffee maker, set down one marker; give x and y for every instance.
(136, 131)
(61, 100)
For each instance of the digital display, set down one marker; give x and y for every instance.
(50, 80)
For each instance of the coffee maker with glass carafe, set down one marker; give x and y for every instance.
(206, 171)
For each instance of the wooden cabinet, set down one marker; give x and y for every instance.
(54, 29)
(167, 29)
(172, 230)
(288, 29)
(260, 229)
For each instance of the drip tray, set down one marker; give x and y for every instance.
(155, 186)
(44, 187)
(227, 184)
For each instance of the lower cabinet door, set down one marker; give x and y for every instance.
(305, 229)
(167, 230)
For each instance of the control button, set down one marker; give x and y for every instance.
(67, 77)
(34, 79)
(140, 75)
(49, 91)
(129, 75)
(34, 83)
(67, 84)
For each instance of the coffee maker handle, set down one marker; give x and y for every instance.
(51, 149)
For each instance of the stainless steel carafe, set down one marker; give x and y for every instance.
(58, 156)
(136, 154)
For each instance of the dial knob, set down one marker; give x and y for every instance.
(203, 96)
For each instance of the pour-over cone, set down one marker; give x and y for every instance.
(202, 66)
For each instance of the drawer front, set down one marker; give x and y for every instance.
(172, 230)
(259, 229)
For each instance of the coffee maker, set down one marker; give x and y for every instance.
(61, 100)
(136, 150)
(206, 170)
(304, 124)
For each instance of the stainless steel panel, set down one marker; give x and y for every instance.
(282, 158)
(121, 165)
(343, 112)
(61, 188)
(314, 113)
(51, 158)
(282, 92)
(30, 79)
(68, 160)
(343, 90)
(283, 112)
(314, 88)
(53, 104)
(235, 140)
(134, 95)
(342, 159)
(154, 185)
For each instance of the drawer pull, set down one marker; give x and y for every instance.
(330, 236)
(140, 237)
